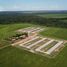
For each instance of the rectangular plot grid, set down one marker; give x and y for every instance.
(43, 46)
(40, 45)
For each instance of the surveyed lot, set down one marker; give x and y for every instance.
(40, 45)
(14, 57)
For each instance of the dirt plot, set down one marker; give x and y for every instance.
(49, 46)
(31, 29)
(31, 42)
(24, 40)
(57, 51)
(38, 44)
(33, 45)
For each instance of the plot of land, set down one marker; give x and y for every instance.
(39, 44)
(14, 57)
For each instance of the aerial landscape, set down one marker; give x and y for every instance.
(33, 34)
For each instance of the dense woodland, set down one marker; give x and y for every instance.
(14, 17)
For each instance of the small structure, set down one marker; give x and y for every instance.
(17, 37)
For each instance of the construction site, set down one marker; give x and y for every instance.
(38, 44)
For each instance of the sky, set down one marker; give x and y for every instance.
(32, 5)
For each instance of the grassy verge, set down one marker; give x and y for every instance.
(58, 33)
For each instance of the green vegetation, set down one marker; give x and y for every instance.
(14, 57)
(60, 33)
(56, 27)
(53, 15)
(35, 19)
(8, 30)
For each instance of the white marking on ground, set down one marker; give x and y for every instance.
(36, 29)
(21, 30)
(44, 45)
(35, 43)
(54, 47)
(29, 41)
(31, 29)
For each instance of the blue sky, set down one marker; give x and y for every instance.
(21, 5)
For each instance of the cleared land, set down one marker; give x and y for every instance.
(35, 43)
(7, 30)
(14, 57)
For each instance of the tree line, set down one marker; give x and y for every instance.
(30, 18)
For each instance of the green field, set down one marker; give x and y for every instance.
(15, 57)
(59, 33)
(53, 15)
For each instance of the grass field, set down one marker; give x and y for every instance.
(60, 33)
(53, 15)
(14, 57)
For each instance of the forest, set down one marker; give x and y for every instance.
(18, 17)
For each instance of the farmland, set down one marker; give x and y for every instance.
(53, 15)
(14, 57)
